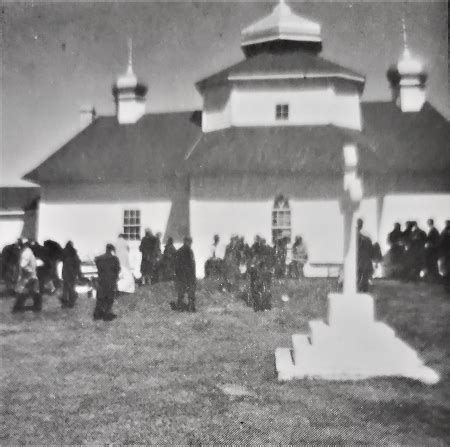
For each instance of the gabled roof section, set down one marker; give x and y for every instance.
(280, 149)
(281, 65)
(106, 151)
(415, 142)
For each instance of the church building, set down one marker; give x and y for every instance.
(264, 155)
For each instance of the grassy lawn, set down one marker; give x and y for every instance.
(155, 376)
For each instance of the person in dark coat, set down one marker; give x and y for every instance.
(185, 279)
(415, 261)
(71, 271)
(168, 261)
(150, 251)
(280, 257)
(396, 252)
(364, 259)
(10, 264)
(432, 251)
(260, 274)
(444, 252)
(108, 267)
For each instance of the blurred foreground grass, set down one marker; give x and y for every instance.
(158, 377)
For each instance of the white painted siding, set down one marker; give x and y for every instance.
(91, 225)
(225, 218)
(10, 229)
(318, 221)
(256, 107)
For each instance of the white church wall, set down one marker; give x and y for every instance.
(92, 225)
(243, 206)
(10, 229)
(92, 215)
(223, 217)
(314, 106)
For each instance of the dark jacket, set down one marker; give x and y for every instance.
(365, 254)
(185, 265)
(149, 247)
(108, 267)
(71, 264)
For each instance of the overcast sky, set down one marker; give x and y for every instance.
(60, 56)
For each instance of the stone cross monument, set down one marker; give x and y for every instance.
(351, 345)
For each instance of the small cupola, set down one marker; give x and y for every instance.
(129, 94)
(281, 30)
(408, 79)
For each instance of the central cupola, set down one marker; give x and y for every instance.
(281, 30)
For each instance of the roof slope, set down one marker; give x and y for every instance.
(152, 148)
(283, 149)
(296, 63)
(408, 142)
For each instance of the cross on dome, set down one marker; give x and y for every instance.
(129, 79)
(408, 65)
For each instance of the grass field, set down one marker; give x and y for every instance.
(155, 376)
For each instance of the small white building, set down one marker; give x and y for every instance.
(263, 156)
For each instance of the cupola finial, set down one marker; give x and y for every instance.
(405, 35)
(130, 55)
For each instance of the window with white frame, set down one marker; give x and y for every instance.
(281, 219)
(132, 224)
(282, 112)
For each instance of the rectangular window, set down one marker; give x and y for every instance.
(132, 224)
(282, 112)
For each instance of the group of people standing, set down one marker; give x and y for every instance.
(415, 253)
(259, 262)
(29, 268)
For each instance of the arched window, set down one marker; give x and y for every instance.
(281, 219)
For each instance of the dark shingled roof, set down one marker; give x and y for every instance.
(412, 142)
(283, 149)
(168, 144)
(295, 63)
(154, 147)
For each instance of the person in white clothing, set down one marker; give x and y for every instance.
(27, 282)
(126, 283)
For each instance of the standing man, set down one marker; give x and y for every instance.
(185, 279)
(108, 268)
(432, 251)
(71, 271)
(27, 282)
(149, 250)
(396, 251)
(444, 252)
(364, 259)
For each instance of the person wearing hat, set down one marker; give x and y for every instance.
(185, 279)
(108, 267)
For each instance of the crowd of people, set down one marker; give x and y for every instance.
(259, 263)
(30, 269)
(415, 253)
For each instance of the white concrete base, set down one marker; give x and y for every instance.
(352, 346)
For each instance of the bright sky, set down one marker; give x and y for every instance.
(58, 57)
